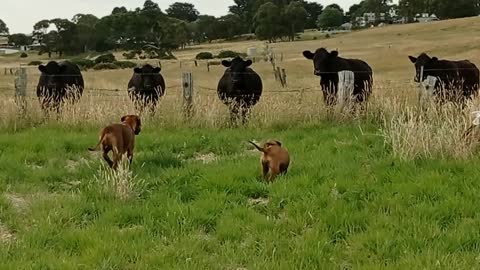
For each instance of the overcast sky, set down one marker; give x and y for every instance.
(21, 15)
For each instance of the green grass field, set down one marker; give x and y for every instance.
(397, 188)
(195, 201)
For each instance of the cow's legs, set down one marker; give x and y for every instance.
(245, 113)
(234, 113)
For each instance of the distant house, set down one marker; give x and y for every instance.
(425, 17)
(3, 42)
(346, 26)
(369, 18)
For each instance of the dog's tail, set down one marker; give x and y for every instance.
(258, 147)
(97, 147)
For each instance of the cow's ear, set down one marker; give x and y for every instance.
(334, 54)
(308, 54)
(412, 59)
(137, 70)
(248, 63)
(226, 63)
(157, 70)
(123, 118)
(42, 68)
(434, 59)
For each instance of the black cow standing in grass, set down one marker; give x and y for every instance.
(328, 64)
(456, 81)
(240, 88)
(59, 83)
(146, 87)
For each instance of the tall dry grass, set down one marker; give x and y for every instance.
(409, 131)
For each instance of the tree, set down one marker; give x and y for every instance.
(85, 19)
(246, 10)
(268, 22)
(19, 39)
(230, 26)
(3, 28)
(335, 6)
(119, 10)
(355, 10)
(183, 11)
(314, 10)
(455, 9)
(206, 28)
(295, 16)
(330, 17)
(85, 30)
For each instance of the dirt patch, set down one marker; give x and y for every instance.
(72, 165)
(206, 158)
(259, 201)
(6, 236)
(19, 203)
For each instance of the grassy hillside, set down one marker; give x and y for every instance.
(396, 188)
(195, 201)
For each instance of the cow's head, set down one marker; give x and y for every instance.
(320, 58)
(237, 68)
(53, 74)
(428, 64)
(148, 75)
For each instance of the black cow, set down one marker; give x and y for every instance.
(240, 88)
(328, 64)
(146, 87)
(457, 81)
(59, 82)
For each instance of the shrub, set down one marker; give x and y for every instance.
(230, 54)
(83, 63)
(204, 56)
(129, 55)
(24, 55)
(125, 64)
(143, 57)
(327, 36)
(168, 57)
(106, 58)
(105, 66)
(35, 63)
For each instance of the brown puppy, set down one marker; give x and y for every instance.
(120, 139)
(274, 160)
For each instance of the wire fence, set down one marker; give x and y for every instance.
(9, 89)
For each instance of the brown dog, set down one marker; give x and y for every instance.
(120, 139)
(274, 160)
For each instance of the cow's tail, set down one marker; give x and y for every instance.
(258, 147)
(97, 147)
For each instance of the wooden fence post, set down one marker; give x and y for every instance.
(284, 77)
(187, 85)
(421, 88)
(345, 88)
(208, 66)
(21, 90)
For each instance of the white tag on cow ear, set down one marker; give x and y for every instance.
(476, 121)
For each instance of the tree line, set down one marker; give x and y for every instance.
(161, 32)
